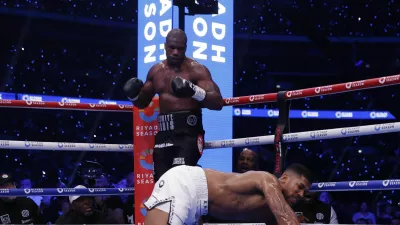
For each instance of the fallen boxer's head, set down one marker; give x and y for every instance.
(295, 181)
(175, 47)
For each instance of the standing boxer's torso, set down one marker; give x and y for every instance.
(162, 79)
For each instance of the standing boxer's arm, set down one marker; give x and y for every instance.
(213, 99)
(147, 92)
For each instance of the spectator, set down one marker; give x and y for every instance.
(99, 201)
(50, 207)
(397, 213)
(325, 197)
(130, 180)
(82, 212)
(129, 206)
(364, 215)
(384, 212)
(395, 221)
(102, 181)
(362, 221)
(112, 205)
(17, 210)
(311, 210)
(26, 182)
(248, 160)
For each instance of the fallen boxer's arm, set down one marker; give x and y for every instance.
(213, 99)
(272, 190)
(266, 184)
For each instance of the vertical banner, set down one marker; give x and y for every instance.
(210, 42)
(145, 127)
(154, 23)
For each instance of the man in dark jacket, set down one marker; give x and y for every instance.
(16, 210)
(311, 210)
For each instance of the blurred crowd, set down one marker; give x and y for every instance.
(338, 18)
(68, 209)
(98, 70)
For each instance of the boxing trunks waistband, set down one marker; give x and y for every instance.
(180, 121)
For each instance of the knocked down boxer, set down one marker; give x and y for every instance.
(185, 193)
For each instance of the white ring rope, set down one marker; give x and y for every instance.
(309, 135)
(240, 142)
(65, 146)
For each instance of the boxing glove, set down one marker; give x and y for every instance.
(183, 88)
(132, 88)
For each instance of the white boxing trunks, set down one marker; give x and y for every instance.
(182, 192)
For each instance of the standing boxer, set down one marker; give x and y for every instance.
(184, 87)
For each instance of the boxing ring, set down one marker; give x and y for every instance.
(142, 146)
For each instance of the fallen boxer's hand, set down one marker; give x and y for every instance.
(302, 219)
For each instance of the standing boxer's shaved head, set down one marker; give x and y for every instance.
(175, 47)
(177, 34)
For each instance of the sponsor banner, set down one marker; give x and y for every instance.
(393, 184)
(65, 146)
(145, 127)
(357, 185)
(64, 100)
(7, 96)
(315, 114)
(66, 191)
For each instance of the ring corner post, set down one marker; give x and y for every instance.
(145, 127)
(282, 127)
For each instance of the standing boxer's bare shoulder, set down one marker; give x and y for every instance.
(195, 68)
(156, 68)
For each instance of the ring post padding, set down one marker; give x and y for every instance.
(282, 127)
(145, 127)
